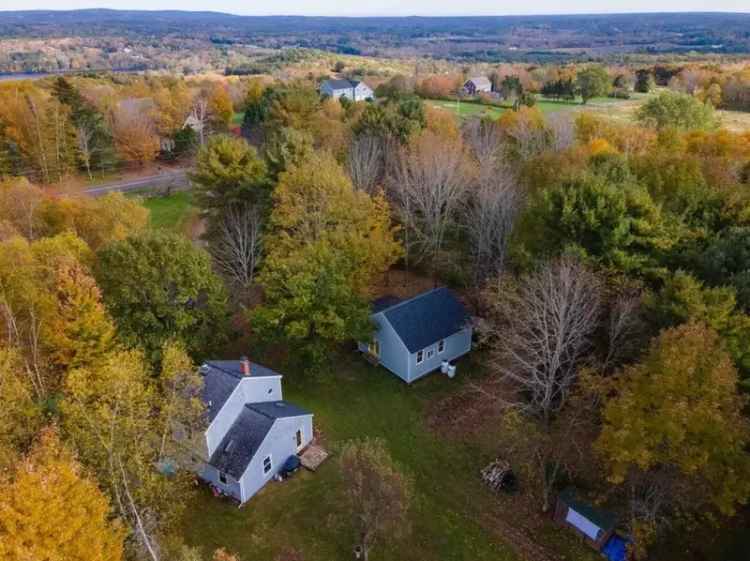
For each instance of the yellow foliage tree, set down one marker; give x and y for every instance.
(50, 511)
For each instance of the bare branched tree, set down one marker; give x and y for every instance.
(544, 329)
(236, 248)
(490, 212)
(484, 142)
(428, 187)
(623, 324)
(85, 135)
(562, 133)
(367, 162)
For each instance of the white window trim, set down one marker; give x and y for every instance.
(270, 464)
(441, 346)
(420, 361)
(223, 478)
(301, 432)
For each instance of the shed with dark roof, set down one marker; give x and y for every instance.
(417, 336)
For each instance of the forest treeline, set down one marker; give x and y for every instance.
(607, 263)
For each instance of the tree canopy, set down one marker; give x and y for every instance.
(158, 286)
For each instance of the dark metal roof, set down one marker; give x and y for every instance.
(220, 377)
(239, 445)
(384, 302)
(427, 318)
(278, 409)
(605, 519)
(241, 442)
(339, 84)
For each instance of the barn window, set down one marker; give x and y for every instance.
(298, 437)
(223, 478)
(420, 357)
(266, 464)
(441, 346)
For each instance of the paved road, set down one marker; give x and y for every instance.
(175, 179)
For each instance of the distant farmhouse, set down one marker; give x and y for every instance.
(252, 431)
(480, 84)
(350, 89)
(417, 336)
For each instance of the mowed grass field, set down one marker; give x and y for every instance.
(466, 109)
(171, 212)
(451, 517)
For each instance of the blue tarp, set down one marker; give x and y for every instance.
(615, 549)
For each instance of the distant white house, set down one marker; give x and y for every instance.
(252, 432)
(477, 85)
(350, 89)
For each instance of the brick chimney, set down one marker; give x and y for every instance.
(245, 366)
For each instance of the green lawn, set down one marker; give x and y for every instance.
(473, 108)
(171, 211)
(359, 400)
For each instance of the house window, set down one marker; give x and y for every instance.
(420, 357)
(441, 346)
(374, 347)
(266, 464)
(298, 437)
(223, 478)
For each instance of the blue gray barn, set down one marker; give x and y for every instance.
(416, 336)
(251, 431)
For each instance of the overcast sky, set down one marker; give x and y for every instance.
(391, 7)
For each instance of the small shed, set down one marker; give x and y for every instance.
(595, 525)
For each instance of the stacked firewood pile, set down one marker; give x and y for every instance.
(499, 476)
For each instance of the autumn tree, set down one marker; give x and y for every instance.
(110, 412)
(220, 109)
(677, 110)
(181, 408)
(51, 510)
(31, 306)
(610, 219)
(326, 243)
(40, 129)
(158, 286)
(134, 130)
(544, 327)
(20, 416)
(377, 494)
(97, 221)
(674, 429)
(593, 81)
(284, 148)
(428, 185)
(366, 162)
(228, 171)
(93, 138)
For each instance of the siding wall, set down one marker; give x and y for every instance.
(393, 353)
(280, 443)
(456, 345)
(249, 390)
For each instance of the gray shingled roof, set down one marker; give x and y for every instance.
(427, 318)
(239, 445)
(339, 84)
(241, 442)
(220, 377)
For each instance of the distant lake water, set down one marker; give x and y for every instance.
(8, 76)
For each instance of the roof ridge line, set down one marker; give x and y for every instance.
(412, 299)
